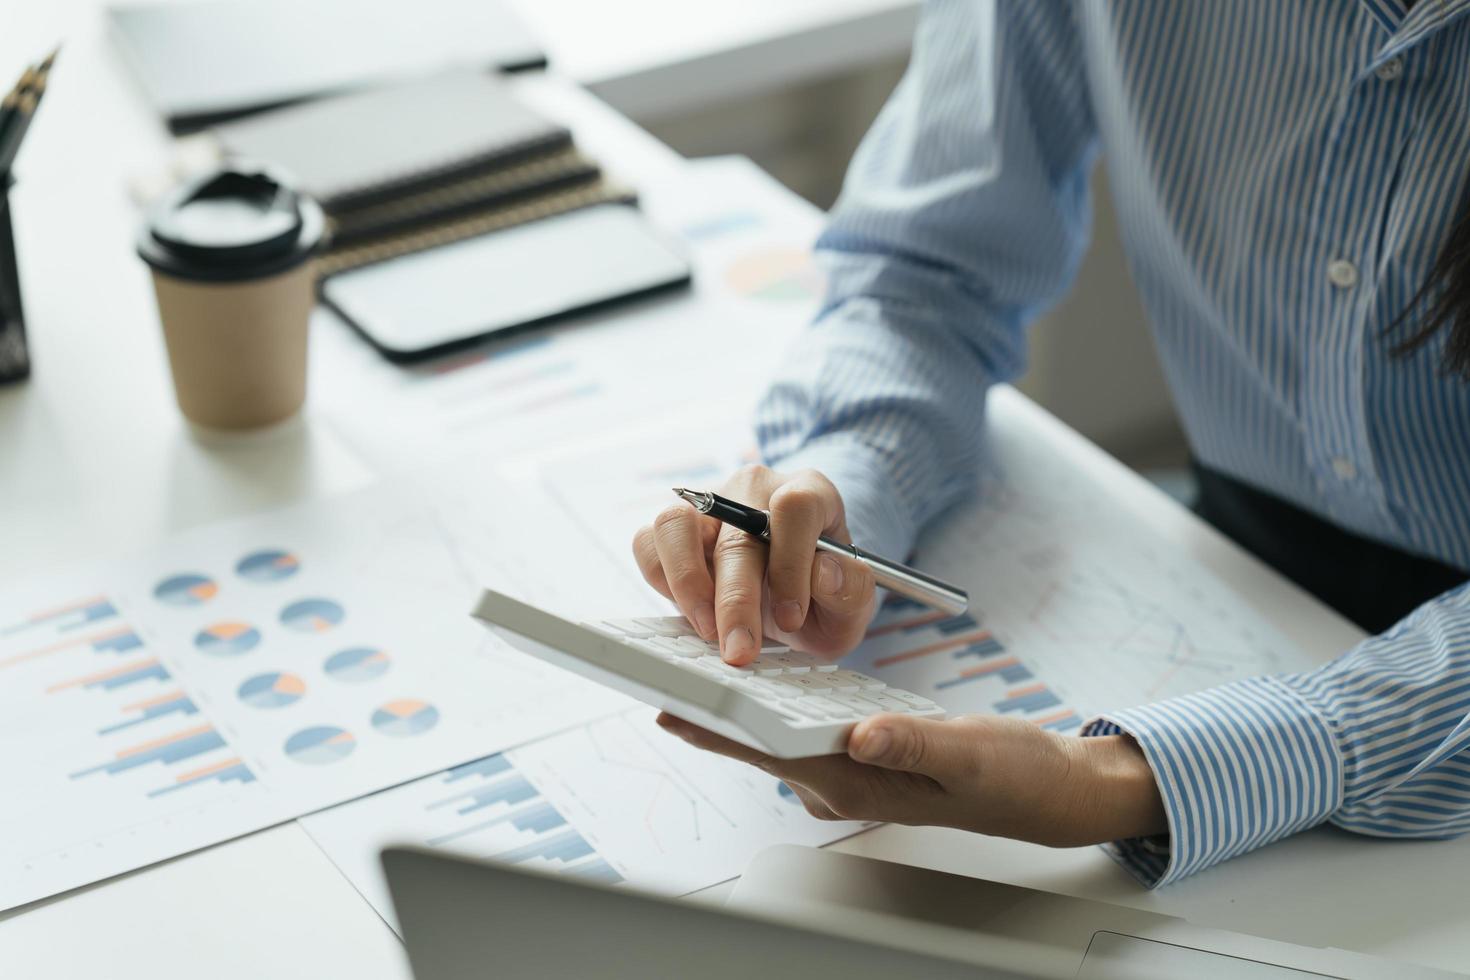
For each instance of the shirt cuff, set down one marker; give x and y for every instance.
(1237, 767)
(875, 518)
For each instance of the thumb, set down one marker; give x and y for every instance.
(924, 745)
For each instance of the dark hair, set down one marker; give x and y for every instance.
(1445, 300)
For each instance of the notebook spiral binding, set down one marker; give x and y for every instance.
(351, 256)
(478, 192)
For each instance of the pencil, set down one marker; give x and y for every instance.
(8, 104)
(24, 111)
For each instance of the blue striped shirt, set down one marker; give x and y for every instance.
(1285, 172)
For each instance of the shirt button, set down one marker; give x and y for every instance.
(1390, 70)
(1342, 273)
(1344, 468)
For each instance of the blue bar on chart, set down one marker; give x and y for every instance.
(563, 848)
(510, 789)
(120, 641)
(66, 617)
(173, 703)
(985, 646)
(489, 766)
(537, 817)
(1034, 697)
(167, 750)
(512, 821)
(227, 771)
(1008, 669)
(114, 677)
(117, 640)
(1062, 721)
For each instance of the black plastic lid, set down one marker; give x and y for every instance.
(239, 222)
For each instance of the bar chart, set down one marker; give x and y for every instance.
(65, 617)
(960, 663)
(246, 673)
(613, 800)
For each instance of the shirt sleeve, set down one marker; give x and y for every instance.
(1376, 742)
(964, 213)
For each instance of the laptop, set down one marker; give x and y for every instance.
(800, 912)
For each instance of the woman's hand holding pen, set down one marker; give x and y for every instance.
(735, 588)
(997, 776)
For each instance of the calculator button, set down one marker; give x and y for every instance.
(882, 700)
(809, 707)
(809, 683)
(860, 705)
(837, 682)
(713, 662)
(764, 667)
(834, 711)
(769, 645)
(671, 648)
(787, 662)
(671, 626)
(911, 699)
(623, 628)
(813, 663)
(774, 687)
(863, 681)
(696, 644)
(710, 670)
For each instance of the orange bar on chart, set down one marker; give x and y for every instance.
(150, 702)
(75, 641)
(210, 770)
(165, 740)
(102, 675)
(941, 646)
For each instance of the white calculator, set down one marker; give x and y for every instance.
(785, 703)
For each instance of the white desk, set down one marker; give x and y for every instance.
(656, 58)
(96, 460)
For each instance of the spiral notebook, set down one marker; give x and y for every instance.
(373, 146)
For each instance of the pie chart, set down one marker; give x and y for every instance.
(274, 690)
(320, 745)
(312, 615)
(268, 566)
(357, 664)
(185, 590)
(405, 717)
(775, 274)
(227, 639)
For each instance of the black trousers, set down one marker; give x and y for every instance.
(1372, 584)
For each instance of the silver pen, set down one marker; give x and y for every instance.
(906, 581)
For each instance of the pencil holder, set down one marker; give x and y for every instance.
(15, 359)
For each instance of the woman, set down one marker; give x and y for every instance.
(1287, 178)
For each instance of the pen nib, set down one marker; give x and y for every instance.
(701, 501)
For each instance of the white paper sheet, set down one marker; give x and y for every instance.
(249, 672)
(1077, 607)
(616, 800)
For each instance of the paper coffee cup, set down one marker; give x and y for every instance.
(231, 254)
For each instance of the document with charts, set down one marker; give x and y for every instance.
(615, 800)
(249, 672)
(1076, 608)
